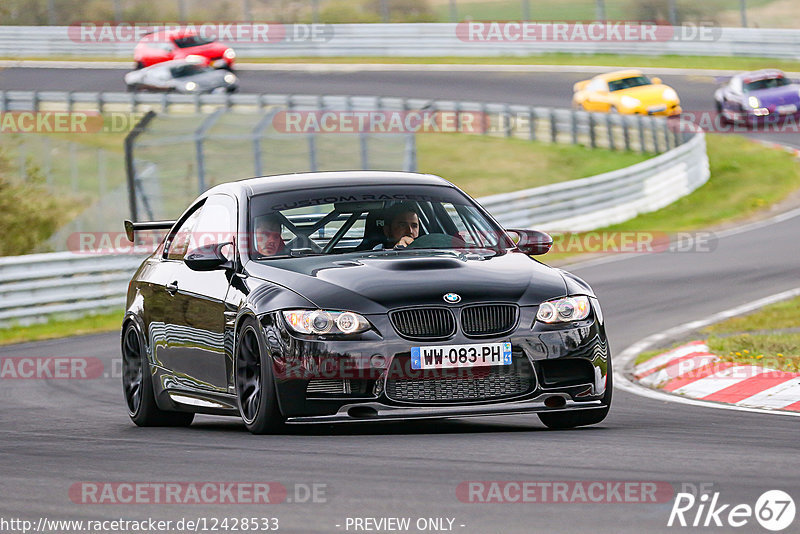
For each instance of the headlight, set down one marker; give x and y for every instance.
(230, 78)
(630, 102)
(229, 53)
(190, 86)
(194, 58)
(753, 101)
(669, 94)
(325, 322)
(564, 310)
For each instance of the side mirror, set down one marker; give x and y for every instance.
(532, 242)
(208, 258)
(656, 80)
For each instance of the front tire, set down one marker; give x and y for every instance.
(255, 387)
(137, 384)
(565, 420)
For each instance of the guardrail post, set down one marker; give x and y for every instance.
(640, 124)
(164, 103)
(507, 123)
(612, 145)
(626, 133)
(666, 135)
(485, 119)
(410, 159)
(592, 134)
(654, 131)
(553, 126)
(101, 104)
(35, 100)
(531, 124)
(312, 152)
(574, 126)
(198, 107)
(362, 141)
(69, 101)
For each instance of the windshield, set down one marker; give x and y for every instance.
(627, 83)
(192, 40)
(188, 70)
(366, 218)
(766, 83)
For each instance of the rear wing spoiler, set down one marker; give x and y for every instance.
(132, 227)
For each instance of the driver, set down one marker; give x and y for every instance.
(401, 226)
(267, 234)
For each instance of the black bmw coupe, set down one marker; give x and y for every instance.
(356, 296)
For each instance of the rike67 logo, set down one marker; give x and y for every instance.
(774, 510)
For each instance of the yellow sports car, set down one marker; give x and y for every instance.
(626, 91)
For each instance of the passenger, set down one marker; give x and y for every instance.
(267, 236)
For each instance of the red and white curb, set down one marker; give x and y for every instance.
(692, 371)
(625, 380)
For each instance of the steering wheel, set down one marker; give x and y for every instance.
(438, 241)
(303, 241)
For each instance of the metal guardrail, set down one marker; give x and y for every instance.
(604, 130)
(35, 286)
(426, 39)
(609, 198)
(39, 285)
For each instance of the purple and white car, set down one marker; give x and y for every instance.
(758, 96)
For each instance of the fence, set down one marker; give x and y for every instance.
(433, 39)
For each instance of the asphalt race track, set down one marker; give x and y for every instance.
(55, 433)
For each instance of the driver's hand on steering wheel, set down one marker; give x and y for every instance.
(404, 241)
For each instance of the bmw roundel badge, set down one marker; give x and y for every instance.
(452, 298)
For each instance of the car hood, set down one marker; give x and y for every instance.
(648, 94)
(776, 96)
(374, 282)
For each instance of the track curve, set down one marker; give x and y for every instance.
(56, 433)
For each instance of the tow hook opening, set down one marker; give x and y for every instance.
(555, 402)
(362, 412)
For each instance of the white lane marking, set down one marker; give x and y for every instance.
(665, 358)
(381, 67)
(623, 361)
(778, 396)
(719, 381)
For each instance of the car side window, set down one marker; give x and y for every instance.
(217, 223)
(178, 242)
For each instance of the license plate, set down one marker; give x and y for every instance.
(453, 356)
(656, 109)
(218, 63)
(787, 109)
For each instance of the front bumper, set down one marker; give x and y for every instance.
(568, 363)
(375, 412)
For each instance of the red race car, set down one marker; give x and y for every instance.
(165, 45)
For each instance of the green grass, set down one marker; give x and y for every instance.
(785, 314)
(774, 351)
(746, 339)
(488, 165)
(59, 327)
(627, 61)
(746, 178)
